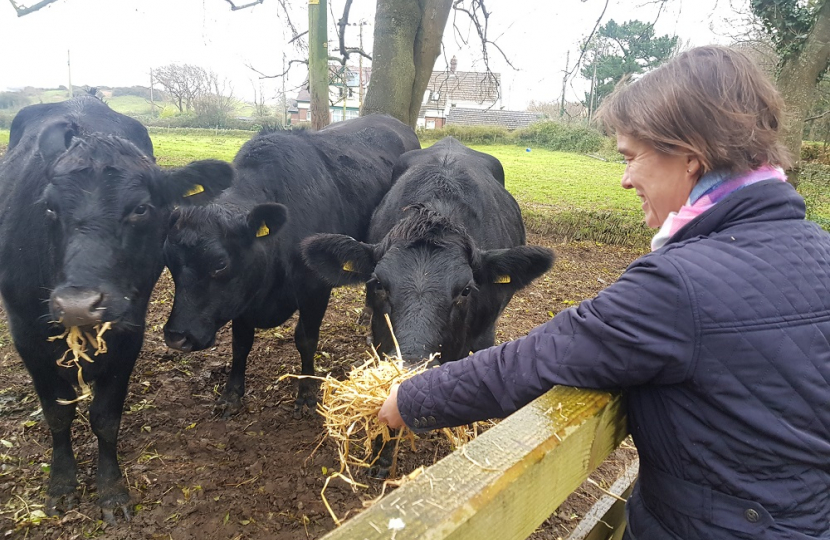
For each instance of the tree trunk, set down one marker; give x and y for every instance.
(798, 80)
(407, 42)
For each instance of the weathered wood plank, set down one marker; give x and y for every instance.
(606, 519)
(508, 480)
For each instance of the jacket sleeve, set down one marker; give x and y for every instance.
(640, 330)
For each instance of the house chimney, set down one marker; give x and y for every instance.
(453, 64)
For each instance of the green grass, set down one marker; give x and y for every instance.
(177, 147)
(4, 136)
(131, 105)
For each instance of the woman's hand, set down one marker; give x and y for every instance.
(389, 413)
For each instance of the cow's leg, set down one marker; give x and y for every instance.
(382, 456)
(306, 336)
(105, 419)
(63, 480)
(230, 402)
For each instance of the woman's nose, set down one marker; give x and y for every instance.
(626, 180)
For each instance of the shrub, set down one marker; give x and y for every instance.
(468, 134)
(561, 137)
(815, 153)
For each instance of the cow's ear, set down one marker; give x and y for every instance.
(513, 267)
(339, 259)
(54, 139)
(266, 219)
(196, 183)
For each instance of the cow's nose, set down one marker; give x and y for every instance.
(78, 307)
(178, 341)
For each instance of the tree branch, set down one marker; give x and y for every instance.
(234, 7)
(345, 52)
(23, 10)
(816, 117)
(283, 74)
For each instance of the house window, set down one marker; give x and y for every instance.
(435, 95)
(430, 124)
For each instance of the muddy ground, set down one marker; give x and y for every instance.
(258, 475)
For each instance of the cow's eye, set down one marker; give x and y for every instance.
(51, 214)
(467, 290)
(219, 269)
(141, 210)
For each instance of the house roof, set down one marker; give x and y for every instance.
(455, 86)
(476, 117)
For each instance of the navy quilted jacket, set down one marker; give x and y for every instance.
(721, 343)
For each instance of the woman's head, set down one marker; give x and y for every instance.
(712, 103)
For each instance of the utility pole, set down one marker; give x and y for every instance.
(564, 83)
(345, 89)
(591, 101)
(69, 72)
(361, 24)
(284, 97)
(318, 63)
(152, 100)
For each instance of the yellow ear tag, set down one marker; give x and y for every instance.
(263, 230)
(348, 266)
(502, 279)
(195, 190)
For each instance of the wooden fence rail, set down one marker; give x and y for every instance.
(506, 482)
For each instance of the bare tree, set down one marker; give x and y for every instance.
(260, 108)
(215, 102)
(184, 82)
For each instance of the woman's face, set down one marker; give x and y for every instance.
(662, 181)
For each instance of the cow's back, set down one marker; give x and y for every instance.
(460, 183)
(330, 180)
(90, 114)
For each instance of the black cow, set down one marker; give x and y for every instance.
(445, 255)
(239, 259)
(82, 225)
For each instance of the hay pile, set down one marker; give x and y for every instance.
(76, 342)
(350, 409)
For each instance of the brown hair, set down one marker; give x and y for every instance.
(712, 102)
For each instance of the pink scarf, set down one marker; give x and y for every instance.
(709, 190)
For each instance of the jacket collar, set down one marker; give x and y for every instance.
(769, 200)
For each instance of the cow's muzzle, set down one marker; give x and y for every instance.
(74, 306)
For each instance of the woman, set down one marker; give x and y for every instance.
(719, 338)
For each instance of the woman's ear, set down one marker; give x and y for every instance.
(694, 166)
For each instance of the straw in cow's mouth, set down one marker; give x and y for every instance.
(77, 341)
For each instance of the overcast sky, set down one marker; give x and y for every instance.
(116, 43)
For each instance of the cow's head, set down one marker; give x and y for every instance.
(218, 257)
(106, 206)
(429, 277)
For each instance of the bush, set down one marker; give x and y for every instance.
(13, 100)
(547, 134)
(6, 120)
(561, 137)
(468, 134)
(813, 152)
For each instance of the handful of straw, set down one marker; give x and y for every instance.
(350, 409)
(76, 342)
